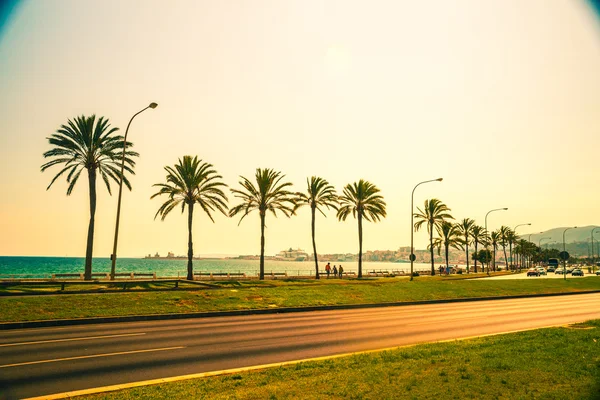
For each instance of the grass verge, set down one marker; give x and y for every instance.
(232, 295)
(552, 363)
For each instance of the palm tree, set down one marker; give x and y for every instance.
(319, 193)
(505, 232)
(90, 144)
(512, 238)
(466, 227)
(269, 194)
(449, 235)
(189, 182)
(479, 235)
(363, 200)
(495, 238)
(433, 214)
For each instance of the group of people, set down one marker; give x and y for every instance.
(335, 270)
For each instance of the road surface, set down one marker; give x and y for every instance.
(36, 362)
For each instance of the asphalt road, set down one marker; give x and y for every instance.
(36, 362)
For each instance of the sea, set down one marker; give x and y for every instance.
(44, 267)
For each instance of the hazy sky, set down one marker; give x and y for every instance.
(500, 98)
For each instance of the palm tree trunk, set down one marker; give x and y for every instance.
(510, 252)
(446, 253)
(262, 247)
(467, 251)
(475, 253)
(90, 237)
(190, 268)
(359, 244)
(505, 259)
(431, 248)
(313, 209)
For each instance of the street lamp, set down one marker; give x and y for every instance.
(113, 256)
(564, 250)
(515, 231)
(412, 228)
(529, 240)
(592, 236)
(486, 230)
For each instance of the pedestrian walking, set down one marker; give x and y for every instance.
(335, 271)
(328, 270)
(341, 270)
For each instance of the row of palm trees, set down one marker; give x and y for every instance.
(435, 215)
(192, 181)
(90, 144)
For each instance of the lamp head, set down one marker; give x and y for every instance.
(439, 179)
(153, 105)
(529, 224)
(506, 208)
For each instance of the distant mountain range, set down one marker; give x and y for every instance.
(581, 234)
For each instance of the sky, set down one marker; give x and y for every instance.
(500, 98)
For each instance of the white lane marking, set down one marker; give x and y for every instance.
(71, 339)
(91, 356)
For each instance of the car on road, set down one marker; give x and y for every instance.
(597, 273)
(541, 270)
(533, 272)
(559, 271)
(577, 272)
(551, 269)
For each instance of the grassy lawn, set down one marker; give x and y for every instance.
(234, 295)
(554, 363)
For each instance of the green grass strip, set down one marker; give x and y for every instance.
(274, 294)
(552, 363)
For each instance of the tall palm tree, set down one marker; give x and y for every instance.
(269, 194)
(192, 181)
(433, 214)
(495, 238)
(505, 232)
(449, 235)
(479, 235)
(512, 239)
(90, 144)
(319, 194)
(362, 200)
(466, 227)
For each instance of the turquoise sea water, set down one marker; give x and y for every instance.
(44, 267)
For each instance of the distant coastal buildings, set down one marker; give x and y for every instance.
(291, 254)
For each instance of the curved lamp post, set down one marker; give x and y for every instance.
(412, 228)
(486, 230)
(515, 231)
(529, 240)
(592, 236)
(113, 256)
(565, 249)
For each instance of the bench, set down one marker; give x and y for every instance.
(274, 275)
(212, 275)
(378, 273)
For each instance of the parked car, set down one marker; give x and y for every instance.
(577, 272)
(533, 272)
(597, 273)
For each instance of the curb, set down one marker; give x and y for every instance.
(260, 311)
